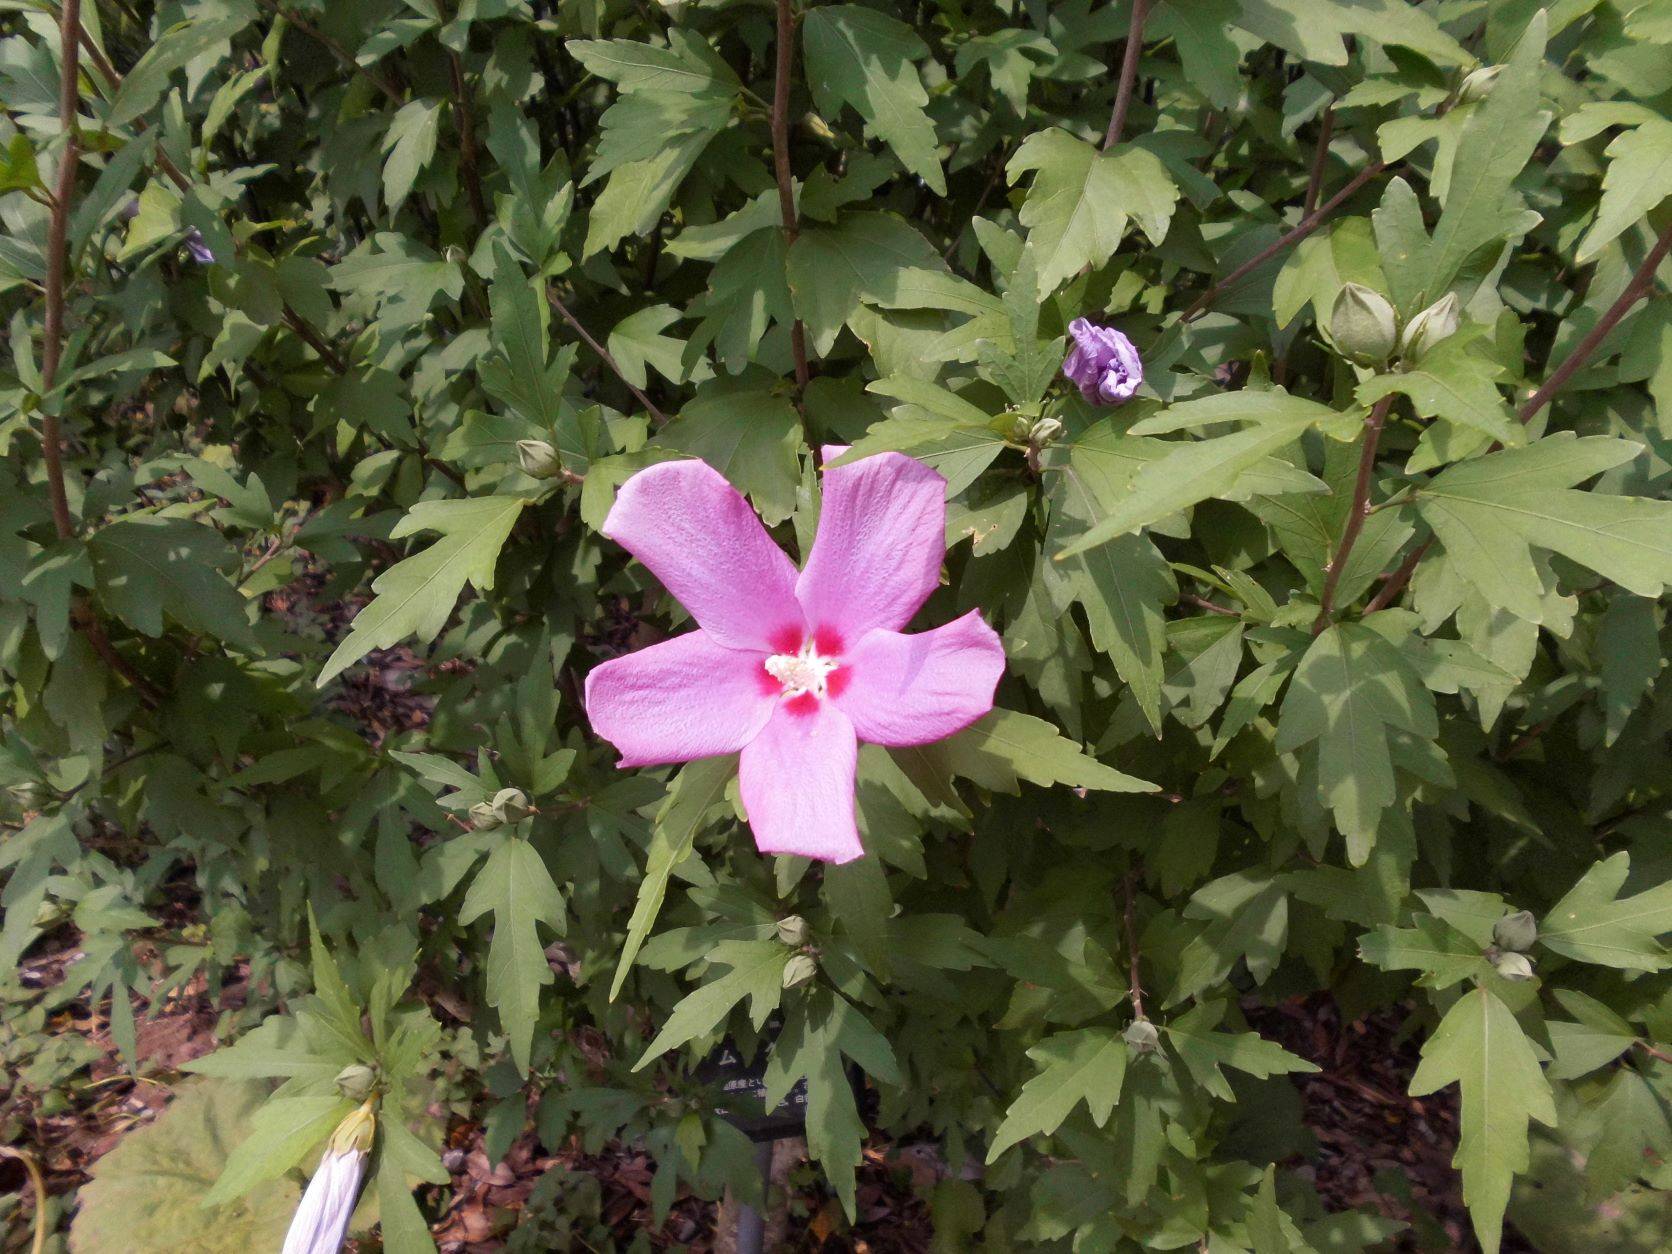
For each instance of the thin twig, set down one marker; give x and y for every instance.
(315, 341)
(1311, 222)
(604, 356)
(1128, 73)
(1320, 158)
(781, 166)
(466, 125)
(1659, 1055)
(1212, 607)
(178, 177)
(1395, 583)
(1129, 922)
(52, 347)
(980, 204)
(1637, 287)
(1357, 512)
(386, 86)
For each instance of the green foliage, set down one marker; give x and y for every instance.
(145, 1193)
(1333, 668)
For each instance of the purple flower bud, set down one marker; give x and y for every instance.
(1103, 363)
(197, 248)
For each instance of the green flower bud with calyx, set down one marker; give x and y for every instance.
(538, 459)
(1044, 431)
(799, 969)
(1515, 932)
(1478, 83)
(507, 807)
(1363, 324)
(1513, 966)
(1141, 1037)
(1438, 322)
(793, 930)
(356, 1081)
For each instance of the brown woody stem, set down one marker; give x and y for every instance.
(1637, 287)
(1311, 222)
(781, 166)
(313, 32)
(1129, 923)
(1320, 158)
(604, 356)
(466, 124)
(1357, 512)
(52, 347)
(1128, 74)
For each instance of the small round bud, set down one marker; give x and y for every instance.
(538, 459)
(511, 804)
(799, 969)
(1141, 1037)
(31, 794)
(1513, 966)
(355, 1081)
(793, 930)
(1044, 431)
(1478, 83)
(484, 818)
(1363, 324)
(1438, 322)
(1515, 932)
(817, 128)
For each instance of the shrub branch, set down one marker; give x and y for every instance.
(1357, 512)
(1308, 224)
(784, 50)
(1128, 73)
(52, 346)
(1637, 287)
(604, 356)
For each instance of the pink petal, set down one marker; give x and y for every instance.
(685, 698)
(797, 783)
(911, 690)
(877, 555)
(703, 541)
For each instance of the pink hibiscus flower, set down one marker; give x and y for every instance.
(793, 669)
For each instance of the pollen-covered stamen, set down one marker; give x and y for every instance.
(805, 671)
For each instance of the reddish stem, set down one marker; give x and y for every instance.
(1357, 512)
(1128, 74)
(781, 166)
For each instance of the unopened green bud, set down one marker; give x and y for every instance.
(1044, 431)
(355, 1081)
(1363, 324)
(511, 804)
(1515, 932)
(793, 930)
(31, 794)
(1513, 966)
(508, 806)
(1438, 322)
(1141, 1037)
(817, 128)
(538, 459)
(1477, 85)
(799, 969)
